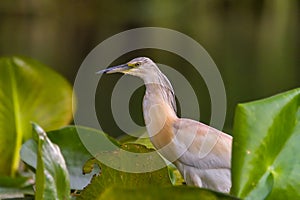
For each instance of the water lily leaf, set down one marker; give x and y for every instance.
(162, 193)
(16, 193)
(143, 141)
(52, 178)
(75, 153)
(265, 163)
(175, 176)
(17, 182)
(13, 187)
(29, 91)
(111, 177)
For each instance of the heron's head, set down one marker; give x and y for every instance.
(139, 67)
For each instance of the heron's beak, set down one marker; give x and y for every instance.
(115, 69)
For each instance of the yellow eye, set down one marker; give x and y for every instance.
(137, 64)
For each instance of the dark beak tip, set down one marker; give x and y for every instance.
(114, 69)
(101, 71)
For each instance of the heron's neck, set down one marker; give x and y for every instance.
(159, 106)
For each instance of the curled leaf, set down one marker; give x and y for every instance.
(52, 178)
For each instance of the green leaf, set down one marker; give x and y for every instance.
(144, 141)
(265, 163)
(163, 193)
(52, 179)
(16, 193)
(175, 176)
(29, 91)
(111, 177)
(17, 182)
(15, 187)
(74, 152)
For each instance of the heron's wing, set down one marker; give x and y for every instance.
(202, 146)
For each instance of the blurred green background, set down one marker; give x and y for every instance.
(254, 43)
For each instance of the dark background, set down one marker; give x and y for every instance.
(254, 43)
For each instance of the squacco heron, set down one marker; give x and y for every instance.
(201, 153)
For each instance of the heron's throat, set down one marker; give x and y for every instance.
(159, 107)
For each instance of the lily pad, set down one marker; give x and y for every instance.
(75, 153)
(29, 91)
(162, 193)
(266, 162)
(111, 177)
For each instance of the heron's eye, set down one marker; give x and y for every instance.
(137, 64)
